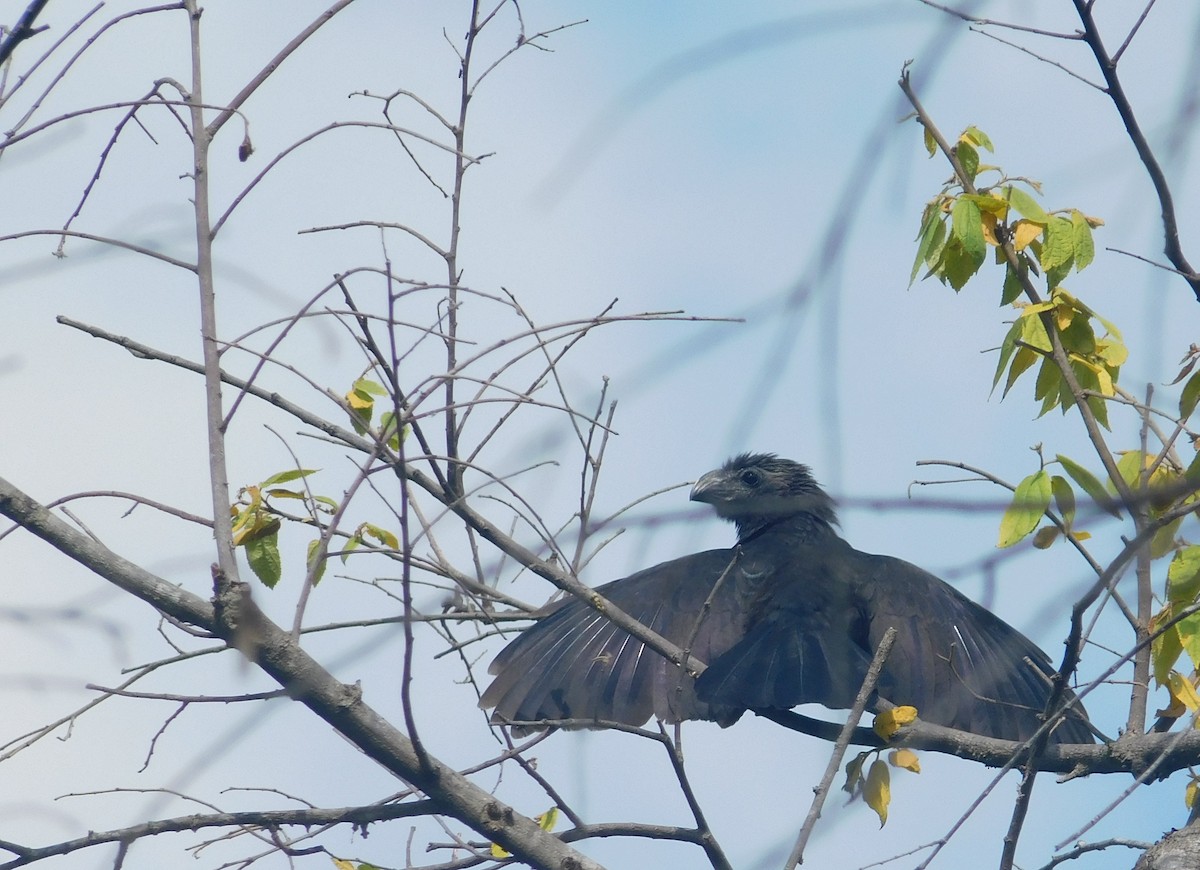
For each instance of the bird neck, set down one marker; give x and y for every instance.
(799, 528)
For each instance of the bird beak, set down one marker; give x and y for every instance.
(710, 488)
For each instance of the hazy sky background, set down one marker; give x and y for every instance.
(723, 160)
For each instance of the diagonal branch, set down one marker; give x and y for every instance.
(234, 617)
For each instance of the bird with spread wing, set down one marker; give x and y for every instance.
(792, 614)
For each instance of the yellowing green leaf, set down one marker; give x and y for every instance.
(1166, 648)
(343, 864)
(1089, 484)
(1183, 691)
(1190, 792)
(989, 203)
(288, 476)
(1029, 503)
(877, 790)
(905, 759)
(977, 137)
(930, 142)
(388, 539)
(547, 820)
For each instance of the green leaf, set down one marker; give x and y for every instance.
(1064, 499)
(854, 772)
(1189, 635)
(1089, 484)
(1058, 245)
(968, 159)
(1029, 504)
(1166, 648)
(956, 266)
(1013, 288)
(1078, 336)
(1049, 386)
(1006, 351)
(314, 547)
(967, 228)
(1183, 576)
(365, 385)
(263, 555)
(1085, 248)
(1020, 364)
(1027, 206)
(1163, 541)
(285, 476)
(929, 239)
(285, 493)
(1131, 465)
(1189, 396)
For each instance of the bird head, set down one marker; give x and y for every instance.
(756, 489)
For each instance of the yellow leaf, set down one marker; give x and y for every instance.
(1025, 232)
(989, 229)
(890, 721)
(905, 759)
(877, 790)
(1182, 691)
(1063, 315)
(343, 864)
(546, 821)
(1189, 793)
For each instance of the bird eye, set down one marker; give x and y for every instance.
(750, 477)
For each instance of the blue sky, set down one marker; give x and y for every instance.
(691, 156)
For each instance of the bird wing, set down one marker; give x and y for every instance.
(955, 661)
(576, 664)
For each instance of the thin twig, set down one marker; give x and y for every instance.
(839, 748)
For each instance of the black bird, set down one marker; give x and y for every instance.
(790, 615)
